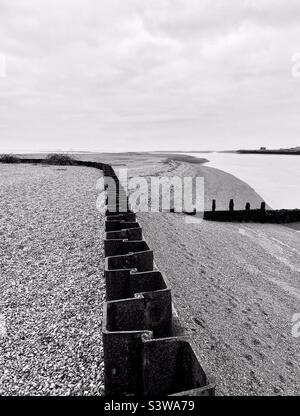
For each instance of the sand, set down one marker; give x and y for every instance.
(236, 287)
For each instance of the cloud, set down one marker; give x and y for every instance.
(93, 73)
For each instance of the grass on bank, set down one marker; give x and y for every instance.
(60, 159)
(51, 159)
(9, 158)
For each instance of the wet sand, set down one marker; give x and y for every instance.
(236, 288)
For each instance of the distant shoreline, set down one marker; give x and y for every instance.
(162, 153)
(270, 152)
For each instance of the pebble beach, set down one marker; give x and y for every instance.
(51, 281)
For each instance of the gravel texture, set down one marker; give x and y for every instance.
(51, 281)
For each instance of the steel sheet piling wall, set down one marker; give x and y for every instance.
(143, 354)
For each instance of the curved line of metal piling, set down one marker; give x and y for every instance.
(144, 355)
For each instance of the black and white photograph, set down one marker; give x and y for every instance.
(149, 201)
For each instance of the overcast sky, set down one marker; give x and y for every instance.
(148, 74)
